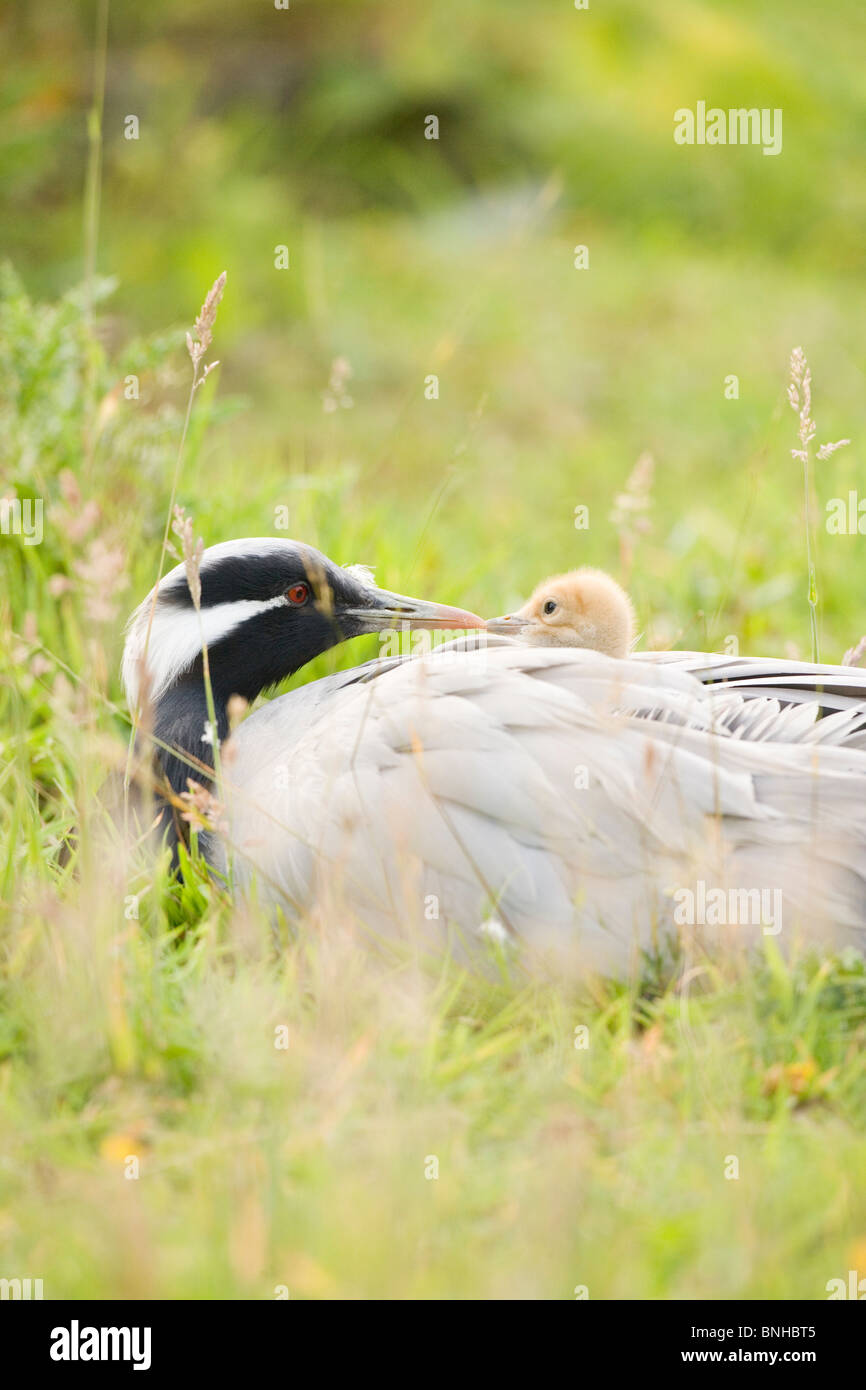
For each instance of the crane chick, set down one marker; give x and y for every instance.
(583, 608)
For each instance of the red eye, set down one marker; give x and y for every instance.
(298, 594)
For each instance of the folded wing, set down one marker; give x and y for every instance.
(555, 796)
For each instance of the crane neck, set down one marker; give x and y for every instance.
(182, 724)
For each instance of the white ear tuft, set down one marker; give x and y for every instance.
(363, 573)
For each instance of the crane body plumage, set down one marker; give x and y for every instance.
(563, 796)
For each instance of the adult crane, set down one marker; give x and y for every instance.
(556, 797)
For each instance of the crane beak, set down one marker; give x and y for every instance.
(510, 625)
(397, 610)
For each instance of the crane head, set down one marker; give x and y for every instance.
(268, 606)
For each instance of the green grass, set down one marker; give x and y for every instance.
(153, 1035)
(306, 1166)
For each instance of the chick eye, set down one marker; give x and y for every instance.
(550, 606)
(298, 594)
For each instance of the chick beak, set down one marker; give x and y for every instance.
(510, 625)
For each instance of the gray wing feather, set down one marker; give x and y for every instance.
(559, 791)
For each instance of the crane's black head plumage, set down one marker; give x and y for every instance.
(268, 607)
(264, 615)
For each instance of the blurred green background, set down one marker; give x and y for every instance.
(409, 256)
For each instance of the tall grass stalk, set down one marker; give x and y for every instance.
(197, 346)
(93, 177)
(92, 199)
(800, 400)
(192, 549)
